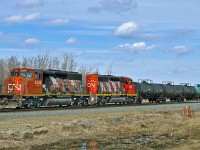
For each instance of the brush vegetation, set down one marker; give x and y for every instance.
(166, 129)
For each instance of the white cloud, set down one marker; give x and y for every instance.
(57, 22)
(178, 70)
(32, 16)
(31, 42)
(135, 47)
(114, 6)
(126, 29)
(30, 3)
(20, 19)
(71, 41)
(180, 50)
(149, 36)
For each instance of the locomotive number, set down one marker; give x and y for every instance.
(38, 82)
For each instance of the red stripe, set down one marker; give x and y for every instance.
(71, 88)
(112, 88)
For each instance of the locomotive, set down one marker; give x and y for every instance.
(110, 89)
(44, 87)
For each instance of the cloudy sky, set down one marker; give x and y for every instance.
(142, 39)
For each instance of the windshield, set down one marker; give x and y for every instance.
(23, 73)
(14, 73)
(26, 74)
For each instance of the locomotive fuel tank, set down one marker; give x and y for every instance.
(58, 101)
(117, 100)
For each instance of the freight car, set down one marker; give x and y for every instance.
(197, 87)
(150, 91)
(153, 92)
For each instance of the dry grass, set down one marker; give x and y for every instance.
(136, 129)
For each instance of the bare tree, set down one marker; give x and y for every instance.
(84, 70)
(69, 62)
(12, 62)
(54, 63)
(109, 70)
(41, 61)
(2, 71)
(25, 63)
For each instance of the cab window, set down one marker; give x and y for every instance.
(23, 73)
(37, 75)
(14, 73)
(126, 81)
(29, 74)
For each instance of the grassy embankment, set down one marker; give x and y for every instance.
(128, 130)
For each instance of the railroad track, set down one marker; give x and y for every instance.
(13, 110)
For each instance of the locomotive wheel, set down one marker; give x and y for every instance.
(139, 101)
(157, 100)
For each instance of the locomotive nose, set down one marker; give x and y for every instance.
(13, 85)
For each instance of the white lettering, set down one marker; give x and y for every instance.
(11, 86)
(91, 85)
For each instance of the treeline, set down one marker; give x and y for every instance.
(67, 62)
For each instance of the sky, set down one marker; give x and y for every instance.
(141, 39)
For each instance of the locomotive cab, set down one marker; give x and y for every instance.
(24, 81)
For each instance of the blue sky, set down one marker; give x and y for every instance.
(142, 39)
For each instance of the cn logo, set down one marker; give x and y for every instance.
(12, 86)
(91, 85)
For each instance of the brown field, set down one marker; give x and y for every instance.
(166, 129)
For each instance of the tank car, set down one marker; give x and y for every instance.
(109, 89)
(172, 92)
(189, 92)
(150, 91)
(197, 87)
(39, 87)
